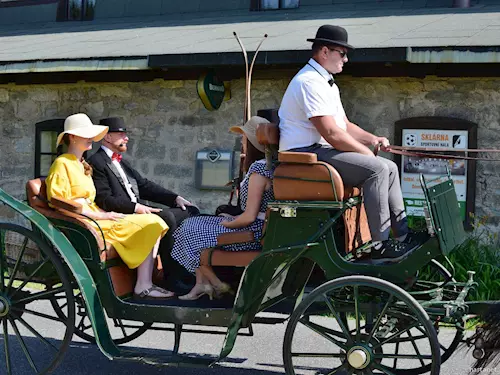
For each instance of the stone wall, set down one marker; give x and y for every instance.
(168, 123)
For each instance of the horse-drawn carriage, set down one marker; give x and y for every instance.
(367, 317)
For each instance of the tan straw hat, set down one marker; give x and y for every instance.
(81, 126)
(250, 130)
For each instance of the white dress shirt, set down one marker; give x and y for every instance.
(308, 95)
(123, 175)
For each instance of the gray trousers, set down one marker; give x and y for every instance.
(379, 178)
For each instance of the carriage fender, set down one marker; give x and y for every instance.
(77, 267)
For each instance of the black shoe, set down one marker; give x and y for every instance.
(393, 251)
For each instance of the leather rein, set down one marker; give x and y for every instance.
(440, 153)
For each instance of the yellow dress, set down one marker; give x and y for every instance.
(133, 237)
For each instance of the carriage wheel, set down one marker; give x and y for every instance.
(125, 331)
(29, 324)
(360, 325)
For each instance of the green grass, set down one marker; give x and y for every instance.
(479, 253)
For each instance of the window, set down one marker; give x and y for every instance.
(19, 3)
(273, 4)
(80, 10)
(45, 145)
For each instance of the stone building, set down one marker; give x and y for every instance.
(415, 58)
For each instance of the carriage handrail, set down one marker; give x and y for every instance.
(72, 209)
(78, 269)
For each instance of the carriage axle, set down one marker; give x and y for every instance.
(359, 357)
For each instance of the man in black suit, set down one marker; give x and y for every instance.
(120, 188)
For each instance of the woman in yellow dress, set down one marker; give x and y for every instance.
(135, 237)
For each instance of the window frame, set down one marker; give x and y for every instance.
(22, 3)
(53, 125)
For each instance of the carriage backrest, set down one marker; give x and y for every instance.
(36, 193)
(122, 277)
(299, 175)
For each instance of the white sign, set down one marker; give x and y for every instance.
(432, 168)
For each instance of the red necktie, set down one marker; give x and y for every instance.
(116, 156)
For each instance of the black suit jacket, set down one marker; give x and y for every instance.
(111, 194)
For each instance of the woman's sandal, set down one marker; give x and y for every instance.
(145, 294)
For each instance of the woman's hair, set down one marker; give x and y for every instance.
(86, 166)
(252, 156)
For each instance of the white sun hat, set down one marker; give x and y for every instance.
(81, 126)
(250, 130)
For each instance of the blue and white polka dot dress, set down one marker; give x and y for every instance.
(200, 232)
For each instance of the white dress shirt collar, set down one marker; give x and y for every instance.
(126, 181)
(322, 71)
(107, 151)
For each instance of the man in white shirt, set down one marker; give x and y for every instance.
(120, 188)
(312, 119)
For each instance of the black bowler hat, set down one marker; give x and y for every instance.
(115, 124)
(333, 35)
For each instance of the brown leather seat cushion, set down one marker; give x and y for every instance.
(301, 177)
(211, 257)
(216, 257)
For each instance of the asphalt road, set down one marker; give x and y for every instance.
(257, 355)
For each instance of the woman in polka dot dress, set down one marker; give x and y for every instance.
(199, 233)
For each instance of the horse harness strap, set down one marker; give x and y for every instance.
(438, 153)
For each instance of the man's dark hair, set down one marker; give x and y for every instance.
(316, 47)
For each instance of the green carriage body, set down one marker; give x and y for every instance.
(298, 236)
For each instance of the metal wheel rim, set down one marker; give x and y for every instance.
(83, 326)
(420, 316)
(21, 295)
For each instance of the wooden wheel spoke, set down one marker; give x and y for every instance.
(81, 326)
(6, 346)
(33, 331)
(39, 295)
(396, 352)
(119, 323)
(403, 356)
(343, 327)
(395, 335)
(30, 277)
(318, 355)
(23, 345)
(2, 262)
(379, 319)
(320, 330)
(12, 276)
(356, 312)
(40, 314)
(415, 347)
(63, 305)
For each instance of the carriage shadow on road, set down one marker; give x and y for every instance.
(86, 359)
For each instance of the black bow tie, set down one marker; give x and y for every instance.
(331, 82)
